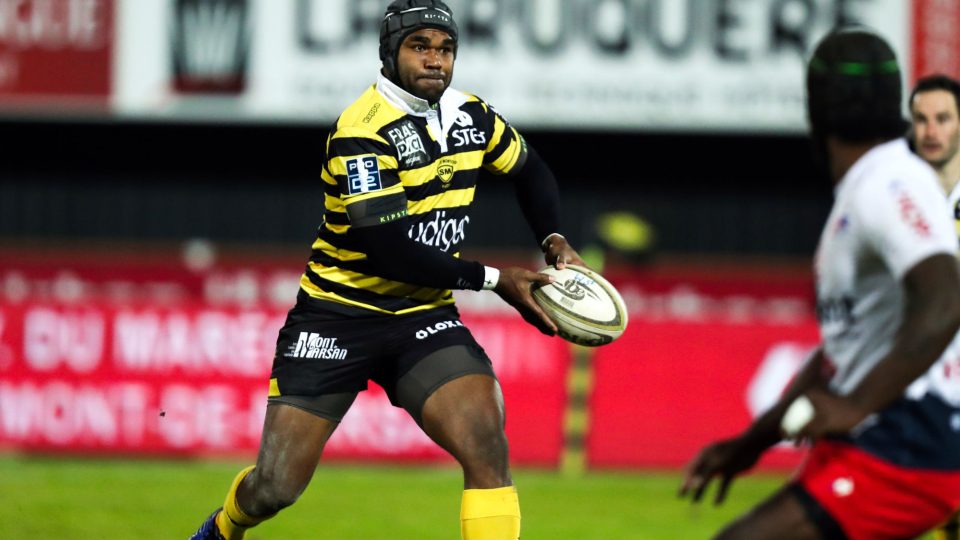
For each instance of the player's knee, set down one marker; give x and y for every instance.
(486, 444)
(272, 492)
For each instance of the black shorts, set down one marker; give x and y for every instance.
(323, 354)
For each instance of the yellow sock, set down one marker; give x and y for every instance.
(949, 530)
(490, 514)
(232, 521)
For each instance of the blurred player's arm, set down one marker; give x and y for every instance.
(930, 320)
(725, 459)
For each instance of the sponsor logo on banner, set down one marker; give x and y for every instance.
(691, 64)
(363, 175)
(60, 49)
(312, 345)
(211, 41)
(409, 145)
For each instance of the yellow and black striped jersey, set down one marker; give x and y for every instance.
(392, 155)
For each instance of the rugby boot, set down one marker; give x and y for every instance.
(209, 530)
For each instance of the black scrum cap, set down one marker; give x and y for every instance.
(854, 87)
(402, 18)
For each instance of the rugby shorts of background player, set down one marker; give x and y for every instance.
(333, 357)
(872, 499)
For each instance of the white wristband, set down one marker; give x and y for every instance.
(543, 245)
(491, 276)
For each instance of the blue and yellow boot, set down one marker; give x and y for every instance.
(209, 529)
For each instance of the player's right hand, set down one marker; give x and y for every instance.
(723, 460)
(515, 287)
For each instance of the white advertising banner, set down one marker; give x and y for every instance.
(564, 64)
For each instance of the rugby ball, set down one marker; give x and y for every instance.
(586, 308)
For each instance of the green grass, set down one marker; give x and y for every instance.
(86, 499)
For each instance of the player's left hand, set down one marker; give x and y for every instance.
(721, 461)
(558, 253)
(833, 414)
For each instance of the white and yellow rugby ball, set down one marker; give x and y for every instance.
(586, 308)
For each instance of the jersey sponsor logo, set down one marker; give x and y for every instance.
(910, 213)
(311, 345)
(463, 119)
(371, 113)
(441, 231)
(445, 169)
(363, 175)
(392, 216)
(436, 328)
(470, 135)
(410, 149)
(835, 315)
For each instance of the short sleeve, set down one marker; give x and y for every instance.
(506, 151)
(363, 168)
(905, 218)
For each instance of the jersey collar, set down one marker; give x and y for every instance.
(403, 100)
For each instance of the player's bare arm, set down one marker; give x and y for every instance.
(930, 320)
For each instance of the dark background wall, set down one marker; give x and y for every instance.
(708, 193)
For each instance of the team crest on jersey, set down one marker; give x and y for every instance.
(410, 149)
(363, 175)
(445, 169)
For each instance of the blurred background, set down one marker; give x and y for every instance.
(159, 190)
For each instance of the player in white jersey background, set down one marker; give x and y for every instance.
(885, 459)
(936, 131)
(935, 137)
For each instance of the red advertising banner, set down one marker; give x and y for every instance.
(56, 49)
(704, 354)
(667, 389)
(162, 355)
(192, 379)
(936, 42)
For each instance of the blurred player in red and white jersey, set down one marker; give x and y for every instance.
(885, 460)
(935, 136)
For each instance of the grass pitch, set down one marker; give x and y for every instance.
(88, 499)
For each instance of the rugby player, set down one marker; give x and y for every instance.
(935, 136)
(885, 458)
(375, 303)
(936, 131)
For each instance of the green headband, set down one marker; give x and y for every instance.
(858, 69)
